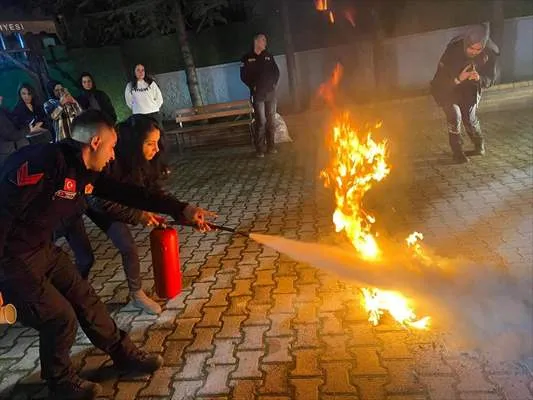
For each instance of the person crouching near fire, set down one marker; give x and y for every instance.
(467, 66)
(137, 161)
(40, 186)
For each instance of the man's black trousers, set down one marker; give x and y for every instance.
(50, 296)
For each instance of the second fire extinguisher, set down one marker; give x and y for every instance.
(164, 246)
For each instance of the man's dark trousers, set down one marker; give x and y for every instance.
(465, 113)
(50, 296)
(265, 113)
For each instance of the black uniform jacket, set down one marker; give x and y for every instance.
(260, 73)
(43, 185)
(453, 61)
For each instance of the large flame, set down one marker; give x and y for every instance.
(357, 161)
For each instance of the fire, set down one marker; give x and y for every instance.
(321, 5)
(327, 89)
(357, 162)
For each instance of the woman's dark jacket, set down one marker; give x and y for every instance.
(23, 115)
(104, 212)
(97, 99)
(452, 62)
(11, 137)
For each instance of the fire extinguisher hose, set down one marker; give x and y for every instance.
(215, 227)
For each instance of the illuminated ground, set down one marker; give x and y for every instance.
(253, 324)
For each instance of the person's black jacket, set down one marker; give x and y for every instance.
(453, 61)
(104, 212)
(11, 137)
(40, 186)
(101, 98)
(23, 115)
(260, 73)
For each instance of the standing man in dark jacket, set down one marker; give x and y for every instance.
(467, 65)
(260, 73)
(92, 98)
(40, 185)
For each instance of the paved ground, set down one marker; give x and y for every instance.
(253, 324)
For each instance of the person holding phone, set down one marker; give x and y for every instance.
(467, 66)
(62, 108)
(28, 112)
(12, 137)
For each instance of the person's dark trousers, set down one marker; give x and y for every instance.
(123, 240)
(467, 115)
(265, 113)
(50, 295)
(78, 240)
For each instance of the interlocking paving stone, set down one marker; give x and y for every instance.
(254, 324)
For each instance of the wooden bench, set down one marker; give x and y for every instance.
(212, 117)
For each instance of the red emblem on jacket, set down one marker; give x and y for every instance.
(24, 178)
(88, 188)
(70, 185)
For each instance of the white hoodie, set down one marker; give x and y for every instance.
(146, 99)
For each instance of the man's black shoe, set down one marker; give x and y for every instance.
(460, 158)
(74, 388)
(137, 361)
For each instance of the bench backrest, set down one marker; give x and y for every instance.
(232, 108)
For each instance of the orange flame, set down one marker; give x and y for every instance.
(327, 89)
(321, 5)
(331, 17)
(357, 162)
(348, 14)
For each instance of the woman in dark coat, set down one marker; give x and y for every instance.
(94, 99)
(137, 162)
(11, 137)
(29, 113)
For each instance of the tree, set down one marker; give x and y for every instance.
(188, 59)
(290, 56)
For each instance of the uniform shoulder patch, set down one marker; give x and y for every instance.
(24, 178)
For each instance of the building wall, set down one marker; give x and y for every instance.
(409, 64)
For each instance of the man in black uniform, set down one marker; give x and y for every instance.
(41, 186)
(260, 73)
(467, 66)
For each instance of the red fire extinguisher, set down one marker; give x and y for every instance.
(164, 245)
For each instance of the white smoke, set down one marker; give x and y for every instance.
(483, 306)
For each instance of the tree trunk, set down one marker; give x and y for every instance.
(497, 23)
(378, 53)
(290, 57)
(190, 69)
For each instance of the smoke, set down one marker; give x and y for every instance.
(483, 307)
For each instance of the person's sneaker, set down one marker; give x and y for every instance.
(460, 158)
(272, 151)
(260, 155)
(74, 388)
(141, 300)
(479, 150)
(137, 361)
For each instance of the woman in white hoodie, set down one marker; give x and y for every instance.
(143, 96)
